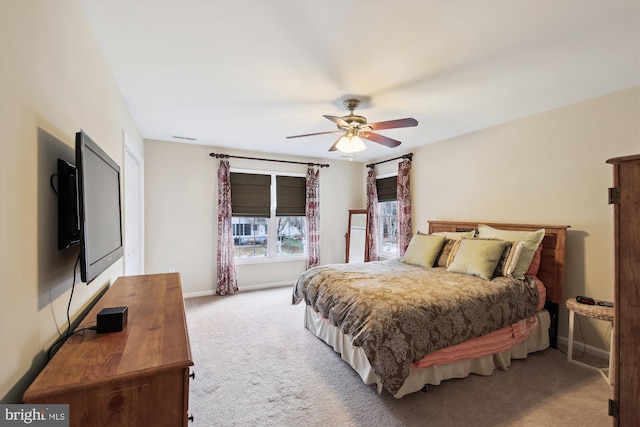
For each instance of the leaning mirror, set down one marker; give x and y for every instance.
(356, 236)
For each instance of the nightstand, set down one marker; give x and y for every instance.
(594, 312)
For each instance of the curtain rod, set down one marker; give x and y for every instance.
(226, 156)
(406, 156)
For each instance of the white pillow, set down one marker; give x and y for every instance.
(531, 241)
(456, 235)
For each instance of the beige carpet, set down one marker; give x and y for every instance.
(256, 365)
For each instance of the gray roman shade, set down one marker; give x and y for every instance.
(291, 194)
(387, 189)
(250, 195)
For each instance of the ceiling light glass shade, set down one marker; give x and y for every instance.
(350, 144)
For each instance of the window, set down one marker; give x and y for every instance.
(387, 224)
(268, 215)
(250, 237)
(387, 216)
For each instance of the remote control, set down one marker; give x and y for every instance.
(605, 304)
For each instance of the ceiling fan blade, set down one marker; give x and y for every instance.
(380, 139)
(312, 134)
(334, 147)
(392, 124)
(337, 120)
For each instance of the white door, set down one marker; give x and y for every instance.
(133, 214)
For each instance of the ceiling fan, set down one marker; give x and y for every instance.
(354, 127)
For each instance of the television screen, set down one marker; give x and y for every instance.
(99, 207)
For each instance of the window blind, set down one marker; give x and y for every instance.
(250, 195)
(291, 195)
(387, 189)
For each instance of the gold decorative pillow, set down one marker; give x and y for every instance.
(477, 257)
(509, 259)
(443, 256)
(423, 250)
(531, 241)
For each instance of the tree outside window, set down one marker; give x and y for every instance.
(387, 227)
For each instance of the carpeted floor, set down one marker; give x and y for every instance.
(256, 365)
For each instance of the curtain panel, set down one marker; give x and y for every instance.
(312, 209)
(404, 206)
(372, 216)
(226, 282)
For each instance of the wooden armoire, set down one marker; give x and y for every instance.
(625, 196)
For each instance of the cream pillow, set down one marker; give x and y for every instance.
(477, 257)
(509, 259)
(531, 241)
(515, 256)
(423, 250)
(457, 235)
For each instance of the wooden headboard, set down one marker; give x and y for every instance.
(551, 271)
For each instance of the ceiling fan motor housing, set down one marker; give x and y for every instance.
(352, 119)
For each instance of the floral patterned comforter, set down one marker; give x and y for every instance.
(398, 313)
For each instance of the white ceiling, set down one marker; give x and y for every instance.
(246, 74)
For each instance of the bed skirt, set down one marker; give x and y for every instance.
(537, 340)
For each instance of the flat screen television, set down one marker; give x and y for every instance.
(98, 212)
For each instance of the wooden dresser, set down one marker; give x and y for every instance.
(136, 377)
(625, 196)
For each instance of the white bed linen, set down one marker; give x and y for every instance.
(538, 340)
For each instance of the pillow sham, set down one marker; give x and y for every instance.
(531, 241)
(477, 257)
(535, 262)
(455, 234)
(423, 250)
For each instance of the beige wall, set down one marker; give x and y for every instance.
(53, 82)
(544, 169)
(548, 168)
(181, 204)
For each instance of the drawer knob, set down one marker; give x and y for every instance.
(190, 418)
(192, 375)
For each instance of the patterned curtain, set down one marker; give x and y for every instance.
(312, 209)
(404, 206)
(226, 272)
(372, 217)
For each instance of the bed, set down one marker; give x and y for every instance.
(402, 325)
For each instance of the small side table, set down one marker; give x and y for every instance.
(594, 312)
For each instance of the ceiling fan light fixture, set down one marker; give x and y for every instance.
(356, 127)
(350, 144)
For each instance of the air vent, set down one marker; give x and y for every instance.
(184, 138)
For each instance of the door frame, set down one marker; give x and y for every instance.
(130, 150)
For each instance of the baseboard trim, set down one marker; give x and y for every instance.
(578, 345)
(197, 294)
(244, 288)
